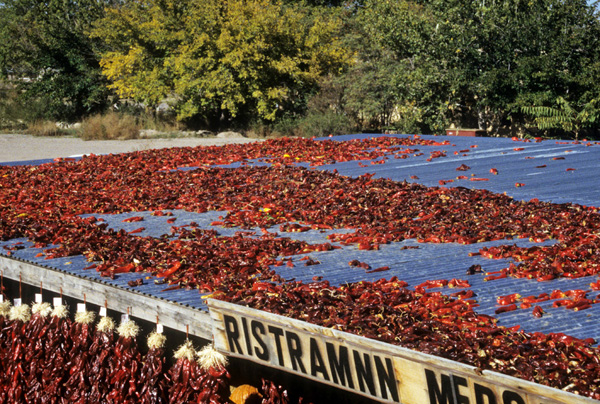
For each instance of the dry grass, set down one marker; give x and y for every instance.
(46, 128)
(110, 126)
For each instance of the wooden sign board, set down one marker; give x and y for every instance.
(377, 370)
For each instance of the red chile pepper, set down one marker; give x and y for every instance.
(535, 299)
(124, 269)
(380, 269)
(561, 302)
(263, 286)
(459, 283)
(138, 230)
(133, 219)
(310, 262)
(463, 294)
(508, 299)
(542, 297)
(578, 304)
(576, 293)
(494, 277)
(504, 309)
(170, 271)
(433, 284)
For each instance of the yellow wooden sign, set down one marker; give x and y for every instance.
(377, 370)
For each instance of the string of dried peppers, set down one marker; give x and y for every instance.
(103, 367)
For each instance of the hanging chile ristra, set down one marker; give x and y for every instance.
(76, 387)
(36, 334)
(57, 350)
(124, 374)
(103, 359)
(184, 375)
(153, 380)
(213, 366)
(16, 372)
(5, 346)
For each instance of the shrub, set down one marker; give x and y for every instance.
(315, 123)
(323, 124)
(46, 128)
(110, 126)
(287, 126)
(17, 112)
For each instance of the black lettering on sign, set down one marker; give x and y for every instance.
(458, 381)
(233, 334)
(317, 364)
(481, 392)
(277, 334)
(247, 336)
(363, 372)
(510, 397)
(437, 396)
(449, 391)
(295, 351)
(387, 378)
(339, 363)
(258, 330)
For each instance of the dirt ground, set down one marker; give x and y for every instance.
(18, 147)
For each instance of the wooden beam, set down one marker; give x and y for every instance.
(143, 306)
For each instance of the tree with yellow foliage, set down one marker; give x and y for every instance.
(218, 59)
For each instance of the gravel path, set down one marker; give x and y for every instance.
(17, 147)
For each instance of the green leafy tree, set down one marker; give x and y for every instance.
(45, 51)
(546, 50)
(564, 116)
(407, 34)
(478, 62)
(219, 60)
(366, 92)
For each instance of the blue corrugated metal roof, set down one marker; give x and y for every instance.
(552, 183)
(570, 178)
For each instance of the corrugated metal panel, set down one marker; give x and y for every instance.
(571, 178)
(552, 183)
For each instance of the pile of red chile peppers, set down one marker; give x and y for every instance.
(51, 359)
(44, 204)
